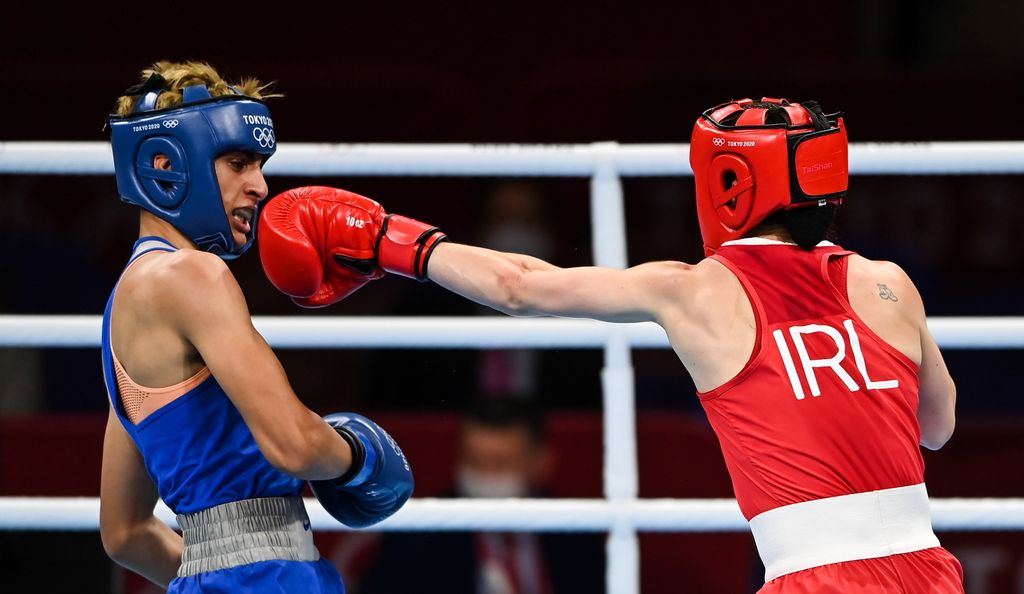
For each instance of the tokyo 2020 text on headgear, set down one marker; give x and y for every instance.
(191, 135)
(752, 158)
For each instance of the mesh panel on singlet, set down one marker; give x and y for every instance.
(131, 396)
(137, 399)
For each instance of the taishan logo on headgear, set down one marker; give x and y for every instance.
(816, 167)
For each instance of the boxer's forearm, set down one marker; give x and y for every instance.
(488, 277)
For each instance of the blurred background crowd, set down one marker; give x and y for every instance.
(571, 72)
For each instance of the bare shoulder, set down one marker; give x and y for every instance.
(878, 268)
(669, 279)
(884, 280)
(193, 266)
(885, 298)
(691, 289)
(181, 283)
(673, 273)
(666, 272)
(709, 321)
(713, 280)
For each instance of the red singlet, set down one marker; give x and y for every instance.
(823, 408)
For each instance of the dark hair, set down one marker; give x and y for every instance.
(806, 226)
(504, 413)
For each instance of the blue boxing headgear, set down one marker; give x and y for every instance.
(192, 135)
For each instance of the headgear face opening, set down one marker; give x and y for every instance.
(750, 159)
(191, 135)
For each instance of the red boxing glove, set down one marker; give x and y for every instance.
(317, 244)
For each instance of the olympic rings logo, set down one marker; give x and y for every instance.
(718, 141)
(264, 136)
(170, 123)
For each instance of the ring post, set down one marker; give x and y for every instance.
(608, 222)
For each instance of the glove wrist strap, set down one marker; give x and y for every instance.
(437, 239)
(404, 246)
(364, 459)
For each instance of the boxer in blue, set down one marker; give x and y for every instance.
(201, 412)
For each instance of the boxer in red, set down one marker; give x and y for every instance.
(815, 365)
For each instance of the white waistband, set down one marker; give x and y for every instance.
(844, 528)
(244, 532)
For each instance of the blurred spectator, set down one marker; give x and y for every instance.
(503, 453)
(515, 219)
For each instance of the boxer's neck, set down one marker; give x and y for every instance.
(152, 225)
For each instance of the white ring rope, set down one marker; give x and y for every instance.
(464, 332)
(550, 515)
(937, 158)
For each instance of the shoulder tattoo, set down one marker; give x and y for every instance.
(884, 292)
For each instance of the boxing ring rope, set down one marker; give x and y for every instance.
(522, 515)
(322, 332)
(620, 513)
(578, 160)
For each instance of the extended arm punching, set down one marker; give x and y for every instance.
(319, 245)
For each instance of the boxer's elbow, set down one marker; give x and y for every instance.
(937, 435)
(114, 543)
(298, 458)
(118, 542)
(936, 415)
(517, 294)
(512, 294)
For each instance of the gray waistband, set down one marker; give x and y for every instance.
(247, 531)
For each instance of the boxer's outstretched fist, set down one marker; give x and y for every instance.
(321, 244)
(318, 244)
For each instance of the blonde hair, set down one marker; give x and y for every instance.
(178, 75)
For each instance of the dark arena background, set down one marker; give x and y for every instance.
(562, 73)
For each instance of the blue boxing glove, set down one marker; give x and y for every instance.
(379, 481)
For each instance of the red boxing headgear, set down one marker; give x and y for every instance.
(752, 158)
